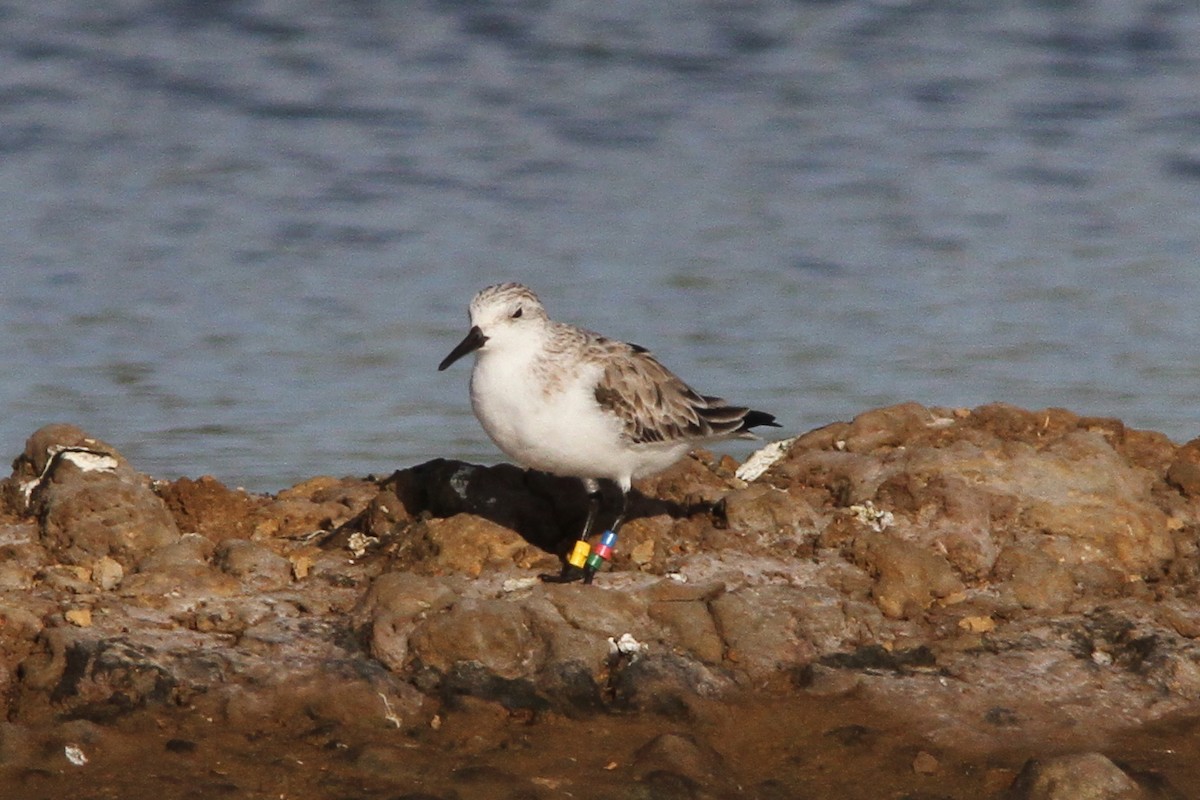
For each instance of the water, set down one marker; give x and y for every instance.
(238, 237)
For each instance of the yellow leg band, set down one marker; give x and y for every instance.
(579, 555)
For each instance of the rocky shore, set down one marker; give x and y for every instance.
(919, 603)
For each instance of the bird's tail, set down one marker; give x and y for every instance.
(753, 419)
(726, 420)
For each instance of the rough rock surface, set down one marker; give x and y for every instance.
(987, 603)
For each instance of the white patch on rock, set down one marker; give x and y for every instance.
(461, 479)
(626, 645)
(518, 584)
(90, 461)
(877, 519)
(75, 755)
(359, 542)
(86, 460)
(761, 460)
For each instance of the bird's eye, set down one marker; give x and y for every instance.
(517, 314)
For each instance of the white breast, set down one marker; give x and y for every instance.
(553, 423)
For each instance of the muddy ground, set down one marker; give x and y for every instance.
(919, 603)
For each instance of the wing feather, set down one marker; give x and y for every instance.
(655, 405)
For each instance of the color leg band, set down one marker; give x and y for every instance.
(579, 555)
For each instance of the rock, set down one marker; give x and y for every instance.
(317, 504)
(18, 622)
(468, 544)
(692, 627)
(107, 573)
(887, 427)
(894, 574)
(682, 755)
(15, 576)
(64, 577)
(1085, 776)
(1184, 470)
(1036, 581)
(761, 627)
(386, 515)
(89, 502)
(17, 745)
(252, 562)
(81, 617)
(909, 577)
(207, 507)
(190, 552)
(392, 608)
(773, 517)
(926, 764)
(606, 613)
(663, 683)
(491, 635)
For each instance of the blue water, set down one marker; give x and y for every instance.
(238, 237)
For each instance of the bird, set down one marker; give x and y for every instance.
(568, 401)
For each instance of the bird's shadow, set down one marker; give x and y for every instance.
(546, 510)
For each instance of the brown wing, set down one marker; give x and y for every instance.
(655, 405)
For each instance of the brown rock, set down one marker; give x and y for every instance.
(19, 623)
(49, 441)
(494, 635)
(668, 590)
(107, 573)
(392, 608)
(468, 544)
(769, 515)
(690, 486)
(14, 575)
(679, 754)
(254, 563)
(692, 627)
(18, 745)
(761, 627)
(1037, 581)
(886, 427)
(384, 516)
(88, 500)
(1184, 471)
(606, 613)
(925, 764)
(207, 507)
(1086, 776)
(190, 552)
(317, 504)
(908, 577)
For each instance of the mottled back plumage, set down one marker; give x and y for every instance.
(654, 405)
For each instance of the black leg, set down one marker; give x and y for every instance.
(589, 571)
(570, 572)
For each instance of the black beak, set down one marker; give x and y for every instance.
(472, 342)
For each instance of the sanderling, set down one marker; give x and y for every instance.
(571, 402)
